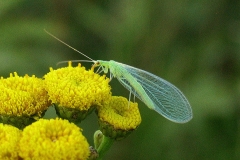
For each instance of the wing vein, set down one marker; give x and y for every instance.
(168, 100)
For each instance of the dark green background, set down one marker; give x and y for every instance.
(194, 44)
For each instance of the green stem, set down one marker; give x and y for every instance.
(103, 147)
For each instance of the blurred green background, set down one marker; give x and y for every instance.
(193, 44)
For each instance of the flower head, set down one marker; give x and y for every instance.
(74, 89)
(22, 97)
(9, 138)
(53, 139)
(118, 118)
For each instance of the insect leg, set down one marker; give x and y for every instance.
(129, 98)
(111, 76)
(97, 71)
(128, 87)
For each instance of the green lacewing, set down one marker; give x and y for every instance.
(157, 93)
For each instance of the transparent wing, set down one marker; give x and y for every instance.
(168, 100)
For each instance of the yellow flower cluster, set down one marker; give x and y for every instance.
(121, 113)
(71, 89)
(75, 87)
(44, 139)
(53, 139)
(118, 118)
(22, 96)
(9, 139)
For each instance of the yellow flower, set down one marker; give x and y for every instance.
(22, 97)
(53, 139)
(74, 89)
(118, 118)
(9, 139)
